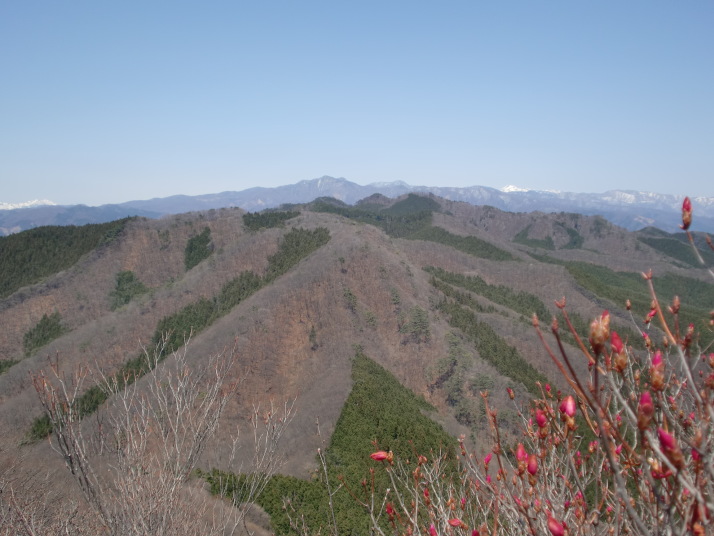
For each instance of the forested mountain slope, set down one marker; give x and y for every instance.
(439, 293)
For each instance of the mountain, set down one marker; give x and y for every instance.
(21, 219)
(28, 204)
(438, 292)
(629, 209)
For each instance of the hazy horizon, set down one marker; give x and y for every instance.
(503, 189)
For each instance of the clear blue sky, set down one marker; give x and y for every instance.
(112, 101)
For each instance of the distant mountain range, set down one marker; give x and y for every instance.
(632, 210)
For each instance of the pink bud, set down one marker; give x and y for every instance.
(541, 419)
(487, 459)
(657, 372)
(555, 528)
(567, 406)
(620, 356)
(380, 456)
(432, 530)
(666, 439)
(616, 342)
(521, 454)
(670, 448)
(532, 464)
(645, 410)
(686, 213)
(455, 522)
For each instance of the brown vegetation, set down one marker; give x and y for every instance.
(294, 338)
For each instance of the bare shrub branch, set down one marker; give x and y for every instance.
(133, 461)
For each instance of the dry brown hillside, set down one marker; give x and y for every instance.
(296, 336)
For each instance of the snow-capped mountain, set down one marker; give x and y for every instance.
(512, 188)
(631, 209)
(26, 204)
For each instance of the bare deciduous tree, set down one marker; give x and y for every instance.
(132, 464)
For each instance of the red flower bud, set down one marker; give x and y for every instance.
(532, 464)
(521, 454)
(686, 213)
(666, 440)
(645, 410)
(555, 528)
(456, 522)
(620, 355)
(432, 530)
(648, 341)
(567, 406)
(381, 455)
(541, 418)
(657, 372)
(670, 448)
(487, 459)
(616, 342)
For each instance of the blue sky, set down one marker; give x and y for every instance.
(113, 101)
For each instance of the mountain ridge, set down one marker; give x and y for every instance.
(438, 292)
(630, 209)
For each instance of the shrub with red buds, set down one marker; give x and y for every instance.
(636, 461)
